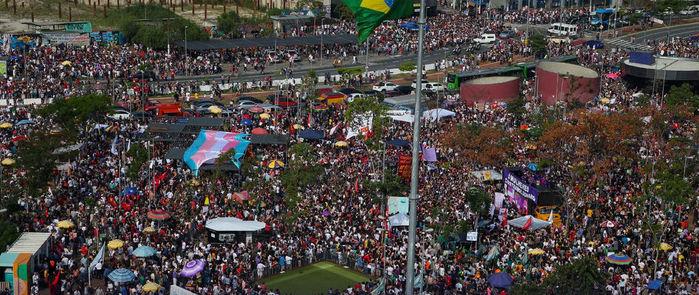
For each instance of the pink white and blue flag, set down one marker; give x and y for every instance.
(210, 144)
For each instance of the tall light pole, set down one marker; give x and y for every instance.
(322, 27)
(186, 56)
(410, 272)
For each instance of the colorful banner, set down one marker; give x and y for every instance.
(210, 144)
(72, 39)
(398, 205)
(79, 27)
(3, 67)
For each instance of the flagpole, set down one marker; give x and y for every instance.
(410, 277)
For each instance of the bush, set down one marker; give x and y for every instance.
(407, 66)
(350, 71)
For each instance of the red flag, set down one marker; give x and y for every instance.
(504, 220)
(527, 224)
(356, 185)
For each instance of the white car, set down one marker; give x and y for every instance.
(414, 84)
(486, 38)
(354, 96)
(433, 86)
(120, 114)
(384, 86)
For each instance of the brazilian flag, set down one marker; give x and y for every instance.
(370, 13)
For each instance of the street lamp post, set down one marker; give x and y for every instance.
(186, 56)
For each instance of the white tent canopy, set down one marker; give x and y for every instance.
(404, 118)
(521, 222)
(437, 114)
(399, 219)
(228, 224)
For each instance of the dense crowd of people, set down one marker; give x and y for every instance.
(337, 217)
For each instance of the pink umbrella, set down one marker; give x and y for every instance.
(614, 75)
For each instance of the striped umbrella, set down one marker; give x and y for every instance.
(144, 251)
(121, 275)
(618, 259)
(158, 214)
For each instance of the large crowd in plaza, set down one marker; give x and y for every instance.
(338, 218)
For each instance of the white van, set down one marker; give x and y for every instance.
(561, 29)
(486, 38)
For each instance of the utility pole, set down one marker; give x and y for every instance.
(410, 272)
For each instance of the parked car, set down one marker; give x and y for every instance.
(203, 106)
(354, 96)
(246, 104)
(506, 34)
(348, 91)
(384, 86)
(141, 115)
(373, 93)
(119, 114)
(404, 89)
(433, 86)
(250, 98)
(486, 38)
(414, 84)
(293, 55)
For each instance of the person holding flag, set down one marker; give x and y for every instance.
(371, 13)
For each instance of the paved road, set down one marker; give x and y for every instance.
(637, 41)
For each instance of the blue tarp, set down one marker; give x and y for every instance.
(604, 10)
(500, 280)
(311, 134)
(644, 58)
(655, 284)
(412, 26)
(398, 142)
(595, 44)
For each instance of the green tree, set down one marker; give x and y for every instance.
(8, 234)
(72, 113)
(478, 200)
(301, 171)
(139, 156)
(582, 276)
(37, 158)
(516, 107)
(682, 95)
(675, 6)
(391, 185)
(369, 106)
(538, 44)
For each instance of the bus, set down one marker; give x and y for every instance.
(523, 69)
(561, 29)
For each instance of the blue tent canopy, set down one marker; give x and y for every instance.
(398, 142)
(412, 26)
(500, 280)
(604, 11)
(311, 134)
(655, 284)
(597, 44)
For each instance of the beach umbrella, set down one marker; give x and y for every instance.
(65, 224)
(275, 164)
(24, 122)
(241, 196)
(256, 109)
(144, 251)
(215, 109)
(66, 63)
(341, 144)
(130, 191)
(665, 246)
(246, 122)
(608, 223)
(5, 125)
(158, 214)
(121, 275)
(192, 268)
(535, 251)
(8, 161)
(264, 116)
(149, 230)
(654, 284)
(297, 126)
(618, 259)
(500, 280)
(259, 131)
(604, 100)
(150, 287)
(115, 244)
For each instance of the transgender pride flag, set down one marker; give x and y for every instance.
(210, 144)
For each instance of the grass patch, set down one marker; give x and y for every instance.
(316, 278)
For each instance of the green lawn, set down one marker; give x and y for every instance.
(314, 279)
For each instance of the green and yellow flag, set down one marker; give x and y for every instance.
(370, 13)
